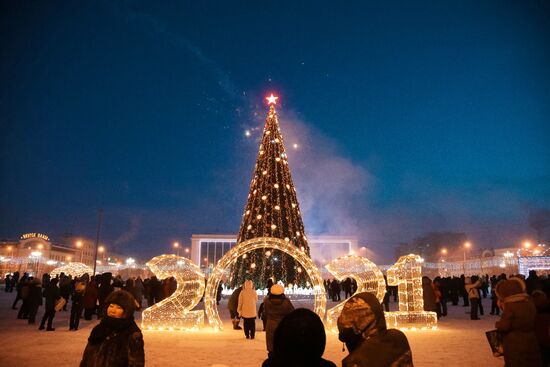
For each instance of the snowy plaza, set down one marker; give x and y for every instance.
(458, 341)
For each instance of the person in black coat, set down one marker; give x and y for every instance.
(276, 307)
(23, 293)
(77, 305)
(17, 283)
(34, 299)
(299, 341)
(51, 294)
(232, 305)
(335, 285)
(103, 290)
(116, 341)
(362, 326)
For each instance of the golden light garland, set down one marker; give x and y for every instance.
(75, 269)
(368, 276)
(174, 312)
(271, 210)
(254, 244)
(406, 274)
(541, 264)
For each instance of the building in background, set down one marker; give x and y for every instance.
(35, 253)
(207, 249)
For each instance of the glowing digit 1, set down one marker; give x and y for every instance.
(406, 274)
(367, 275)
(174, 312)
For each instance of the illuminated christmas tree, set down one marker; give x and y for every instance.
(271, 210)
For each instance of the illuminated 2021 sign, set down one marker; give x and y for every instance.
(26, 236)
(174, 313)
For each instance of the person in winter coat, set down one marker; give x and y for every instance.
(299, 341)
(219, 293)
(517, 324)
(65, 289)
(18, 283)
(232, 305)
(246, 308)
(130, 287)
(261, 313)
(276, 306)
(428, 295)
(77, 298)
(89, 301)
(542, 324)
(23, 292)
(103, 290)
(34, 299)
(471, 286)
(51, 294)
(139, 290)
(362, 326)
(116, 341)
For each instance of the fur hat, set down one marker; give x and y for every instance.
(510, 287)
(277, 289)
(124, 300)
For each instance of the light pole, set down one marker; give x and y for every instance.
(97, 238)
(467, 246)
(177, 247)
(443, 253)
(79, 245)
(187, 252)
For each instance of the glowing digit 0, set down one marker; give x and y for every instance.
(367, 275)
(406, 274)
(174, 312)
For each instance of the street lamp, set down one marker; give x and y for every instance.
(187, 251)
(467, 246)
(177, 247)
(79, 245)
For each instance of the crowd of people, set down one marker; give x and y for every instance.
(294, 337)
(86, 295)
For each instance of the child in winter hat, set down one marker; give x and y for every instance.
(123, 300)
(116, 340)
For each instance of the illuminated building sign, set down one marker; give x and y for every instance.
(26, 236)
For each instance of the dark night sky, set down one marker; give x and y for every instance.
(408, 117)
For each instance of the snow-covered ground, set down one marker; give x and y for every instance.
(457, 342)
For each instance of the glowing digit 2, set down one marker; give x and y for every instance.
(367, 275)
(174, 312)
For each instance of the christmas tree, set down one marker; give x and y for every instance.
(272, 210)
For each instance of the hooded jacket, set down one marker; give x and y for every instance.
(299, 341)
(247, 301)
(517, 323)
(362, 327)
(275, 308)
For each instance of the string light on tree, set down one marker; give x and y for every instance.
(272, 210)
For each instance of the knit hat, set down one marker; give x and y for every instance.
(124, 300)
(510, 287)
(277, 289)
